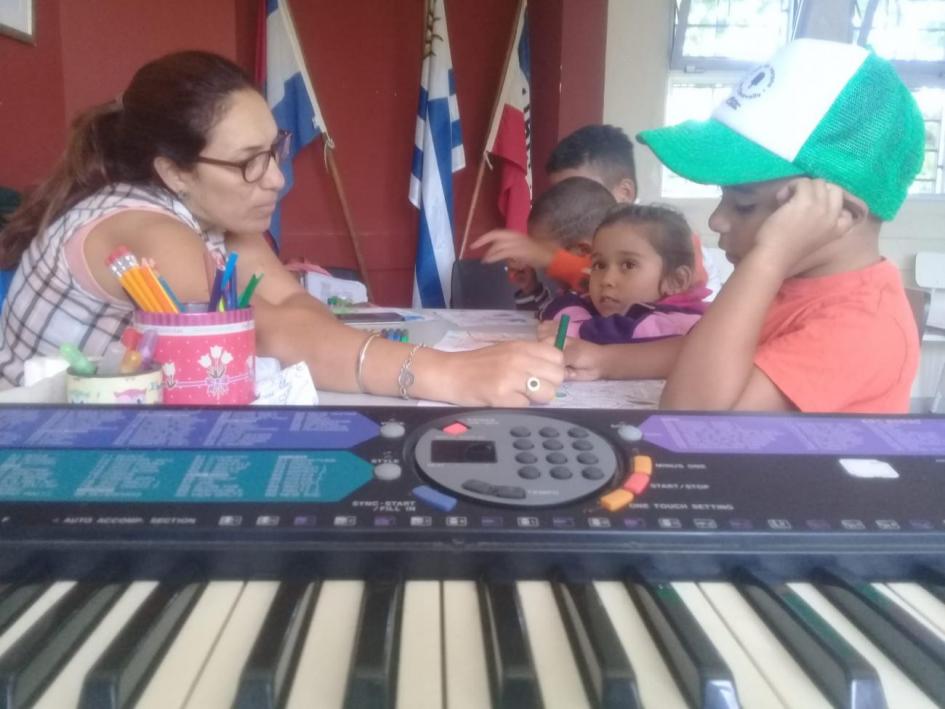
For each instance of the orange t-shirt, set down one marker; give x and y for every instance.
(845, 343)
(572, 269)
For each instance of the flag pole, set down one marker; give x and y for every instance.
(336, 179)
(495, 107)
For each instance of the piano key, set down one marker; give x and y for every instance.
(15, 597)
(771, 658)
(64, 691)
(605, 670)
(930, 608)
(933, 581)
(559, 680)
(900, 691)
(322, 672)
(904, 639)
(33, 613)
(753, 689)
(466, 675)
(216, 687)
(373, 678)
(512, 677)
(420, 675)
(172, 681)
(266, 678)
(829, 660)
(655, 683)
(123, 669)
(702, 674)
(30, 663)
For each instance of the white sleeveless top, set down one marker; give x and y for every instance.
(47, 305)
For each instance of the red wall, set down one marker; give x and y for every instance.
(364, 59)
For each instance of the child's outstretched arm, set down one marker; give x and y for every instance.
(715, 368)
(506, 244)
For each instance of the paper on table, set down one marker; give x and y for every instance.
(488, 318)
(609, 394)
(293, 386)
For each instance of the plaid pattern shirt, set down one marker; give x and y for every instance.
(46, 307)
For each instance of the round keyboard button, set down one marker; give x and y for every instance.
(560, 472)
(629, 433)
(578, 432)
(587, 458)
(529, 472)
(520, 432)
(526, 458)
(392, 429)
(582, 445)
(387, 471)
(592, 473)
(548, 432)
(552, 444)
(523, 444)
(556, 458)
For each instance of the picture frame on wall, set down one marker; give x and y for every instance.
(18, 20)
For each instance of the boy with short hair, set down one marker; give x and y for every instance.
(564, 217)
(813, 151)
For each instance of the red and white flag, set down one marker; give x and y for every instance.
(510, 132)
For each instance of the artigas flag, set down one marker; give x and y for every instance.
(510, 131)
(288, 89)
(437, 154)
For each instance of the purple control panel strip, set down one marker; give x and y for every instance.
(796, 435)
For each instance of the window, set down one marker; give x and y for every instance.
(716, 41)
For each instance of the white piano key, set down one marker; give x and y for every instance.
(559, 679)
(467, 677)
(925, 607)
(772, 659)
(900, 691)
(64, 691)
(655, 681)
(420, 671)
(174, 677)
(753, 689)
(42, 604)
(219, 675)
(321, 677)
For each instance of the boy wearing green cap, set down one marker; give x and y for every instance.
(813, 151)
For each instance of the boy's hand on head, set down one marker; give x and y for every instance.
(811, 216)
(507, 245)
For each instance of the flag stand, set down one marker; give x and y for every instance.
(495, 107)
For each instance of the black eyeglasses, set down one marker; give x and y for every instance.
(255, 166)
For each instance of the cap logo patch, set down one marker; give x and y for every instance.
(752, 86)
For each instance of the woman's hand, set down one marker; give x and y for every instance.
(506, 374)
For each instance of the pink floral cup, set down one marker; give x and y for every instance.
(207, 358)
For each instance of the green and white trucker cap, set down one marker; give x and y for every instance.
(817, 108)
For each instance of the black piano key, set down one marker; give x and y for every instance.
(702, 674)
(33, 660)
(122, 671)
(847, 679)
(15, 597)
(917, 651)
(373, 680)
(512, 677)
(605, 669)
(267, 677)
(933, 581)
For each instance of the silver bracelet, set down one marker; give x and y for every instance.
(406, 379)
(359, 363)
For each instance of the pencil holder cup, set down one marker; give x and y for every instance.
(140, 388)
(207, 358)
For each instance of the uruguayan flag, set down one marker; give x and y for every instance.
(437, 154)
(289, 91)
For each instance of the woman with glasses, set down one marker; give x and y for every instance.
(182, 169)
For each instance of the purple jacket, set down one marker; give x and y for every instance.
(668, 317)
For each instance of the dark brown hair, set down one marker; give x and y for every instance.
(167, 110)
(603, 148)
(666, 229)
(571, 210)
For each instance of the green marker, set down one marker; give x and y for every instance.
(248, 291)
(562, 331)
(78, 362)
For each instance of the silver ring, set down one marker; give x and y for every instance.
(533, 384)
